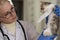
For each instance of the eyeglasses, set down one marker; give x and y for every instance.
(8, 12)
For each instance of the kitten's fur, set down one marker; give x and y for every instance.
(53, 21)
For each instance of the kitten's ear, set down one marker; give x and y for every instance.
(41, 2)
(45, 2)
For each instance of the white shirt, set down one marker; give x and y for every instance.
(19, 33)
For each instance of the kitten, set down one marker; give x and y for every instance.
(53, 20)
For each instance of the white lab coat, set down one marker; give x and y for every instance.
(30, 31)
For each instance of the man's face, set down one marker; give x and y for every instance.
(7, 13)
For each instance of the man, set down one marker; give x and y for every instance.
(11, 28)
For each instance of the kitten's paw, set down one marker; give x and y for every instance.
(47, 33)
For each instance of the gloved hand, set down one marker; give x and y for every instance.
(42, 37)
(57, 10)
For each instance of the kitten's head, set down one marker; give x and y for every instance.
(46, 8)
(44, 5)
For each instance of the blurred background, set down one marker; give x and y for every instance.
(29, 10)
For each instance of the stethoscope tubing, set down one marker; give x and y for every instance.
(5, 35)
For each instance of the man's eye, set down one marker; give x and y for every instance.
(12, 8)
(7, 13)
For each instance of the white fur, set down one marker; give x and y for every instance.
(47, 32)
(48, 29)
(55, 38)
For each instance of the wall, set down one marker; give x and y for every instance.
(32, 12)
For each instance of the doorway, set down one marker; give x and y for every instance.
(18, 4)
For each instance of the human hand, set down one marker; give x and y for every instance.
(57, 10)
(42, 37)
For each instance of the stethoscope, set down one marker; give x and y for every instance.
(5, 35)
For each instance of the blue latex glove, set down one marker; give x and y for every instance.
(42, 37)
(57, 10)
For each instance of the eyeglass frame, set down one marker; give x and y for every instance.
(8, 12)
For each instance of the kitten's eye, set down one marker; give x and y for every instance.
(42, 8)
(47, 3)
